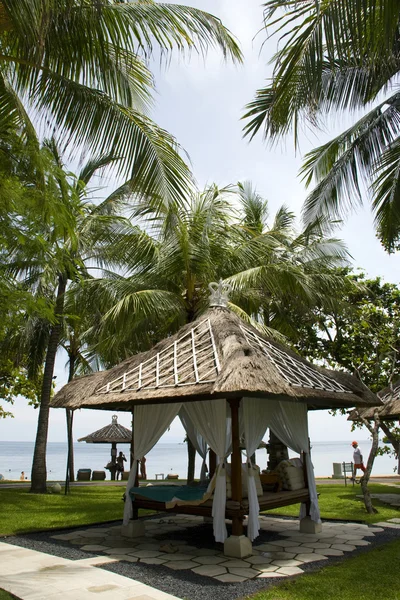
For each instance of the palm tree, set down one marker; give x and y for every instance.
(176, 255)
(338, 55)
(71, 239)
(82, 65)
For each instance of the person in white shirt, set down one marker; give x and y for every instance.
(357, 459)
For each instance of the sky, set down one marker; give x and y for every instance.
(201, 102)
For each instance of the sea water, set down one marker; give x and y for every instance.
(16, 457)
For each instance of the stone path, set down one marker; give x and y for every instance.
(32, 575)
(283, 556)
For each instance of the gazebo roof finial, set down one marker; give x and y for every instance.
(114, 420)
(219, 293)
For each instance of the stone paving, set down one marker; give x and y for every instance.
(283, 555)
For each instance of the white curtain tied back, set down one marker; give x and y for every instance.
(209, 417)
(149, 424)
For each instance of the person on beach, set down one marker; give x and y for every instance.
(22, 476)
(358, 460)
(120, 464)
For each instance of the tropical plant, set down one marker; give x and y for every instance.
(179, 252)
(82, 67)
(72, 237)
(340, 55)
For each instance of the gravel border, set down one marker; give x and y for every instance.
(183, 584)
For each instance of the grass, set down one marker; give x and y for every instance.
(23, 512)
(6, 596)
(370, 576)
(340, 502)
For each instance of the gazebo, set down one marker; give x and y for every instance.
(110, 434)
(229, 382)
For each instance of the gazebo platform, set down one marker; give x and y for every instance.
(184, 546)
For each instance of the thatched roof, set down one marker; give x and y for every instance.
(113, 433)
(390, 409)
(216, 356)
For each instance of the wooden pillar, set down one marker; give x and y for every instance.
(212, 463)
(236, 465)
(113, 460)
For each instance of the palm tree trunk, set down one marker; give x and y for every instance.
(69, 416)
(39, 472)
(191, 460)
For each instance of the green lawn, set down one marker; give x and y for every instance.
(370, 576)
(22, 511)
(340, 502)
(6, 596)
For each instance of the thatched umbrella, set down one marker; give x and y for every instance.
(111, 434)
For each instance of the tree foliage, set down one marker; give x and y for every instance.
(338, 55)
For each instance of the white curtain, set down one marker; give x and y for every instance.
(149, 423)
(197, 440)
(254, 423)
(288, 420)
(210, 419)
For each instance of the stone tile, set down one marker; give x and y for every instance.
(305, 558)
(273, 575)
(247, 573)
(93, 548)
(344, 547)
(175, 557)
(331, 552)
(257, 560)
(290, 571)
(286, 563)
(149, 546)
(275, 555)
(391, 525)
(208, 560)
(266, 568)
(212, 570)
(153, 561)
(265, 547)
(235, 563)
(118, 550)
(206, 552)
(316, 545)
(127, 558)
(284, 543)
(304, 550)
(230, 578)
(180, 565)
(394, 520)
(360, 543)
(146, 553)
(377, 528)
(106, 587)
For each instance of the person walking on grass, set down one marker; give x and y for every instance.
(357, 459)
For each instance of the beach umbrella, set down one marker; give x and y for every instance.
(113, 434)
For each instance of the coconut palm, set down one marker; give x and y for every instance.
(82, 65)
(338, 55)
(71, 238)
(217, 234)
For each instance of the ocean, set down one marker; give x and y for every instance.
(164, 458)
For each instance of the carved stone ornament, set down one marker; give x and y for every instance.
(219, 293)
